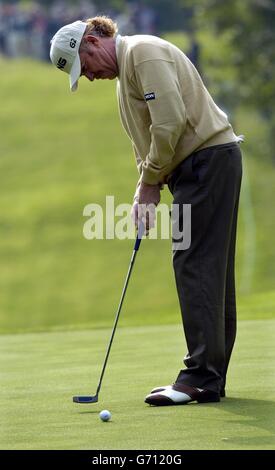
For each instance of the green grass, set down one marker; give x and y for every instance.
(40, 373)
(60, 151)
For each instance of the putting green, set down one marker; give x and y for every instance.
(41, 372)
(57, 153)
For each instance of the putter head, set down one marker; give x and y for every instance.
(85, 400)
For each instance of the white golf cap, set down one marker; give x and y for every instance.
(64, 51)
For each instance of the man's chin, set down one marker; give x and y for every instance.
(109, 77)
(106, 77)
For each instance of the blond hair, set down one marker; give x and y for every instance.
(101, 26)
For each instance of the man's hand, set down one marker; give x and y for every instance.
(145, 213)
(149, 193)
(146, 199)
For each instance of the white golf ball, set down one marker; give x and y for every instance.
(105, 415)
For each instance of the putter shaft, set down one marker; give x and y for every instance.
(94, 399)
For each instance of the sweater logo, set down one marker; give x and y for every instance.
(150, 96)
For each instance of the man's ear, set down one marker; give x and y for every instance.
(92, 39)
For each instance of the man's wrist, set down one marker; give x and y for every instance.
(150, 185)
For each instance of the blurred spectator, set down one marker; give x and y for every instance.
(144, 18)
(26, 27)
(194, 51)
(3, 31)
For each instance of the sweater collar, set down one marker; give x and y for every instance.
(119, 52)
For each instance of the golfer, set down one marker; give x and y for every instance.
(183, 139)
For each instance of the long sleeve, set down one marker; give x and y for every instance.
(158, 81)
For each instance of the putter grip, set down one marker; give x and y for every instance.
(139, 236)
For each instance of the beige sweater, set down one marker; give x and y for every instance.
(164, 106)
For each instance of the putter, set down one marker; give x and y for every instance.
(94, 398)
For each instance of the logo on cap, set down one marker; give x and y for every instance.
(73, 43)
(61, 63)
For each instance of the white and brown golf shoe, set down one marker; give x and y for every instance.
(180, 394)
(163, 387)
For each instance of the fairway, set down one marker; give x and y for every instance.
(59, 291)
(47, 180)
(42, 371)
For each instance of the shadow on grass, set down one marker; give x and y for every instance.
(252, 412)
(84, 412)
